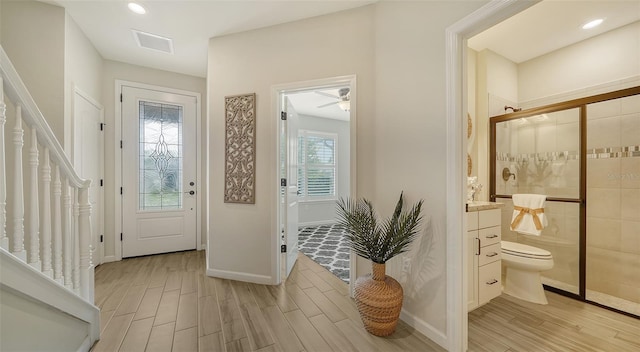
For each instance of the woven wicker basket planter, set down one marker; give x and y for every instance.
(379, 301)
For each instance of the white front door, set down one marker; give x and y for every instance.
(158, 172)
(88, 160)
(291, 193)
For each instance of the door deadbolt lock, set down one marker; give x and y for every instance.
(192, 183)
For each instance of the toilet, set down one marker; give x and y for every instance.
(523, 265)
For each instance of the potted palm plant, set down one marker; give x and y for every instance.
(377, 295)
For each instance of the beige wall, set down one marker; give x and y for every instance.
(396, 50)
(33, 38)
(321, 47)
(113, 71)
(82, 69)
(610, 57)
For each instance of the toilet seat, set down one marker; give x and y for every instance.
(524, 251)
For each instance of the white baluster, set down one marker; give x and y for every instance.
(67, 235)
(4, 240)
(76, 242)
(56, 223)
(86, 265)
(34, 211)
(18, 193)
(45, 224)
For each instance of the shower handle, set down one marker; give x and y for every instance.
(506, 174)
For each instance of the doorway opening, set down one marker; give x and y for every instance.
(316, 158)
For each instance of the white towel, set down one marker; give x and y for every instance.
(528, 214)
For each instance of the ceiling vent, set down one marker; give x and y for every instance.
(153, 41)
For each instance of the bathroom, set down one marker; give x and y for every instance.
(583, 155)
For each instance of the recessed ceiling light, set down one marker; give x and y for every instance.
(591, 24)
(137, 8)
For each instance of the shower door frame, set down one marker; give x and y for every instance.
(581, 104)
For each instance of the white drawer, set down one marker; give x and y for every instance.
(490, 235)
(489, 254)
(472, 221)
(489, 282)
(488, 218)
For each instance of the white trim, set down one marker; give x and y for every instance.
(86, 345)
(424, 328)
(100, 245)
(25, 280)
(239, 276)
(118, 157)
(456, 105)
(276, 91)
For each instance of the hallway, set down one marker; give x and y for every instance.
(166, 303)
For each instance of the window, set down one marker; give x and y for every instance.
(316, 165)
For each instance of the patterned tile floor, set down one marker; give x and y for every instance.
(326, 246)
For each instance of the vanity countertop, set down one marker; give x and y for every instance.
(479, 205)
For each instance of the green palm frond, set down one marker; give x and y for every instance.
(376, 241)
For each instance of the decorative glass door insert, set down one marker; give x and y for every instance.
(160, 169)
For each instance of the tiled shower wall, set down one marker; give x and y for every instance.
(613, 199)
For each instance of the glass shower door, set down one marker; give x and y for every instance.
(613, 204)
(541, 154)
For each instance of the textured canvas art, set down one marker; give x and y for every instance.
(240, 149)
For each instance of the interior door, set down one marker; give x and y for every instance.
(291, 193)
(158, 172)
(88, 160)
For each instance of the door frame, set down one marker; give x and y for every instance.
(118, 158)
(98, 249)
(276, 92)
(456, 37)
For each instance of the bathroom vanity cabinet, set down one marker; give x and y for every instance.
(483, 252)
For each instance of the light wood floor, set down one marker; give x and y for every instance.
(509, 324)
(166, 303)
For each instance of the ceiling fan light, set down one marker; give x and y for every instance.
(344, 105)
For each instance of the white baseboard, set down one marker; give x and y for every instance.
(234, 275)
(109, 258)
(425, 328)
(86, 345)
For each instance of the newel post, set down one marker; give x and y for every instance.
(85, 236)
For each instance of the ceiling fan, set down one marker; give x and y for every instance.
(343, 100)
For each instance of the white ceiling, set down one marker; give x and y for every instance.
(189, 23)
(308, 102)
(544, 27)
(553, 24)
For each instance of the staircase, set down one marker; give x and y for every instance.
(46, 272)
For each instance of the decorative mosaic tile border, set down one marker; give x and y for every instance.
(616, 152)
(595, 153)
(548, 156)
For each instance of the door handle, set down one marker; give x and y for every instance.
(494, 281)
(191, 192)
